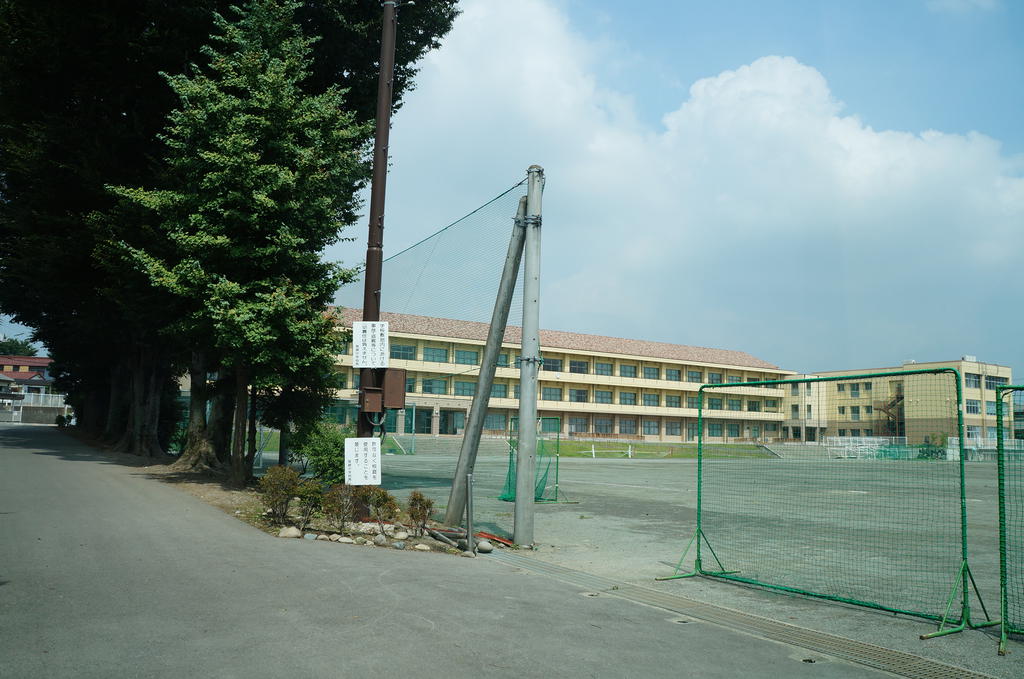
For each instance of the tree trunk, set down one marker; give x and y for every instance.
(148, 372)
(238, 475)
(116, 423)
(222, 411)
(199, 452)
(250, 457)
(282, 446)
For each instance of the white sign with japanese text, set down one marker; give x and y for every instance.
(362, 461)
(370, 344)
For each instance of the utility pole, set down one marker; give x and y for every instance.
(372, 377)
(522, 530)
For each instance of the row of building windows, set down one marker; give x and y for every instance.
(973, 381)
(409, 352)
(973, 407)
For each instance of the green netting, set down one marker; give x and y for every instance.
(862, 503)
(1010, 461)
(545, 472)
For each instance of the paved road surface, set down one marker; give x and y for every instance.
(107, 573)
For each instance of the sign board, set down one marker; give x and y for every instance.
(362, 461)
(370, 344)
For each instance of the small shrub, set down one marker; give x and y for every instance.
(383, 506)
(420, 507)
(322, 446)
(340, 505)
(277, 488)
(61, 421)
(311, 498)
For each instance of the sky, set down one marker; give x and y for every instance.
(825, 184)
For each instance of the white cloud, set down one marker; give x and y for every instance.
(758, 208)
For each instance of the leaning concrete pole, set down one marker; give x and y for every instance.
(526, 452)
(477, 412)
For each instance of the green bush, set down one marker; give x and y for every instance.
(322, 446)
(339, 505)
(61, 421)
(420, 507)
(311, 497)
(277, 487)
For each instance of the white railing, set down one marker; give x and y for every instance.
(44, 400)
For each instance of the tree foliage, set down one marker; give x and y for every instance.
(12, 346)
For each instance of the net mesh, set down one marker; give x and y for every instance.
(1011, 514)
(545, 475)
(862, 504)
(454, 272)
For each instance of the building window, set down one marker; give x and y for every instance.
(673, 401)
(578, 425)
(990, 407)
(771, 426)
(515, 391)
(579, 367)
(651, 373)
(466, 357)
(692, 402)
(840, 387)
(972, 380)
(992, 382)
(854, 391)
(714, 404)
(627, 426)
(714, 378)
(735, 379)
(603, 369)
(854, 412)
(465, 388)
(627, 371)
(551, 393)
(652, 427)
(579, 395)
(435, 386)
(410, 385)
(809, 411)
(502, 361)
(405, 352)
(601, 396)
(499, 391)
(435, 355)
(732, 429)
(855, 432)
(734, 404)
(973, 432)
(551, 364)
(694, 376)
(652, 399)
(868, 410)
(754, 406)
(771, 405)
(867, 386)
(794, 389)
(755, 432)
(603, 425)
(673, 375)
(794, 412)
(714, 428)
(796, 432)
(972, 407)
(627, 398)
(869, 432)
(356, 376)
(674, 428)
(842, 432)
(494, 421)
(691, 431)
(842, 410)
(550, 425)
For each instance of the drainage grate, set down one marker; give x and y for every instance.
(896, 662)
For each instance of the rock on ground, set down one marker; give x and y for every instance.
(399, 545)
(380, 540)
(422, 548)
(289, 532)
(348, 541)
(401, 535)
(484, 547)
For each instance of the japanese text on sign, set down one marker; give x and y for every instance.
(370, 344)
(362, 461)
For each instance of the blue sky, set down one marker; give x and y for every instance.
(825, 185)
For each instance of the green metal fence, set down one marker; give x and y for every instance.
(1010, 461)
(864, 502)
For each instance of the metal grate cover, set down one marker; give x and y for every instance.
(896, 662)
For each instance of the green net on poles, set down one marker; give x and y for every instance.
(862, 501)
(544, 475)
(1010, 460)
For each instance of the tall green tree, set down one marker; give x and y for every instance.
(81, 106)
(17, 347)
(264, 178)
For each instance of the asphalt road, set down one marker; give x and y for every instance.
(105, 572)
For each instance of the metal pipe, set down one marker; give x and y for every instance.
(478, 411)
(370, 377)
(529, 364)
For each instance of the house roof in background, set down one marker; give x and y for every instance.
(40, 361)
